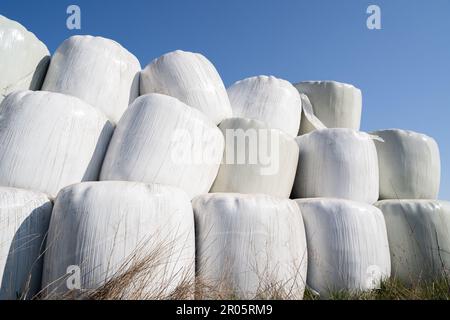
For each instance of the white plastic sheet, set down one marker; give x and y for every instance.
(256, 159)
(97, 70)
(419, 238)
(108, 228)
(50, 140)
(268, 99)
(337, 163)
(23, 58)
(347, 245)
(24, 219)
(161, 140)
(410, 166)
(192, 79)
(250, 245)
(337, 105)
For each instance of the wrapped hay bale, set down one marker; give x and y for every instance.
(192, 79)
(348, 247)
(161, 140)
(268, 99)
(24, 219)
(23, 58)
(337, 105)
(410, 166)
(249, 246)
(97, 70)
(256, 159)
(419, 238)
(337, 163)
(50, 140)
(123, 240)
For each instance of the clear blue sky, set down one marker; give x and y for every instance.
(403, 69)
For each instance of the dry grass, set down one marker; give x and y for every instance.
(395, 290)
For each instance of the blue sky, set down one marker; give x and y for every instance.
(403, 70)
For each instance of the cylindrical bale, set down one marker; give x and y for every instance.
(23, 58)
(249, 246)
(337, 163)
(120, 240)
(419, 239)
(50, 140)
(410, 165)
(348, 246)
(256, 159)
(24, 220)
(97, 70)
(336, 104)
(192, 79)
(161, 140)
(268, 99)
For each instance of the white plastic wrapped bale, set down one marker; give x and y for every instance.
(256, 159)
(419, 238)
(23, 58)
(268, 99)
(50, 140)
(348, 246)
(337, 105)
(337, 163)
(192, 79)
(410, 166)
(97, 70)
(250, 246)
(24, 220)
(161, 140)
(103, 232)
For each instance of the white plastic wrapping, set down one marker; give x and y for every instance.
(107, 228)
(161, 140)
(97, 70)
(192, 79)
(256, 159)
(337, 163)
(23, 58)
(24, 219)
(268, 99)
(410, 166)
(250, 245)
(50, 140)
(419, 238)
(348, 246)
(337, 105)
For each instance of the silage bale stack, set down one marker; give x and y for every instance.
(250, 236)
(23, 58)
(418, 225)
(336, 184)
(260, 152)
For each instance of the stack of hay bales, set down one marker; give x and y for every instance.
(418, 225)
(145, 181)
(335, 186)
(248, 223)
(58, 137)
